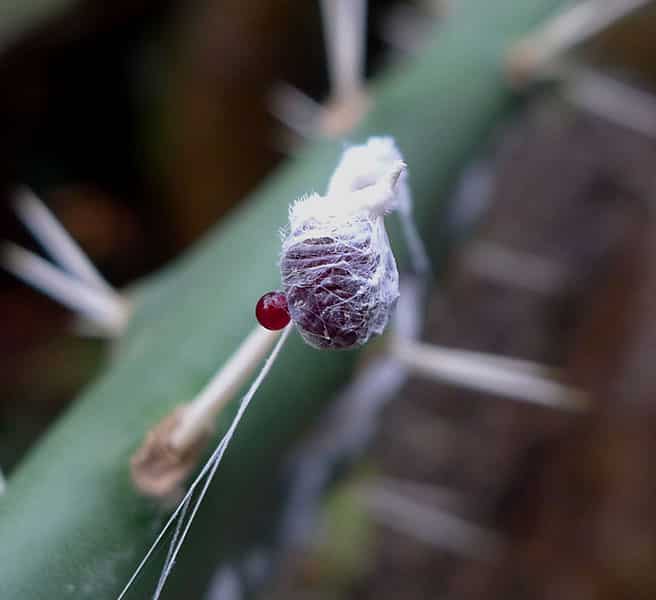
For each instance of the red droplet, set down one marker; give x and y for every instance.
(271, 311)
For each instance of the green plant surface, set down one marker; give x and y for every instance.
(19, 16)
(71, 523)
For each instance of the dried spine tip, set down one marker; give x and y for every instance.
(337, 267)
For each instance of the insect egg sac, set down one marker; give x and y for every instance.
(338, 271)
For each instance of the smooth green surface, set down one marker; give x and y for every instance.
(71, 525)
(20, 16)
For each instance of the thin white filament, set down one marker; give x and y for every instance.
(177, 545)
(210, 467)
(176, 542)
(180, 508)
(419, 260)
(169, 554)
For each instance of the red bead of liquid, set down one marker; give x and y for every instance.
(271, 311)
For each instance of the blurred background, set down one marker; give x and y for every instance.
(141, 124)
